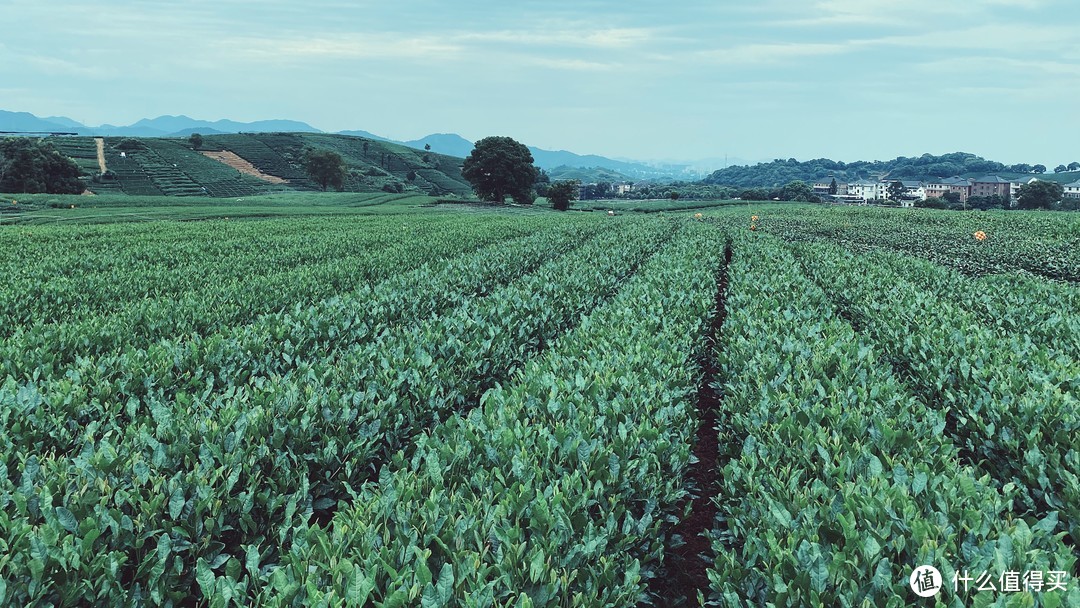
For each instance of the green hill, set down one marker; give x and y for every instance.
(593, 175)
(263, 163)
(925, 167)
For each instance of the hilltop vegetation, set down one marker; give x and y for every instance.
(780, 171)
(171, 167)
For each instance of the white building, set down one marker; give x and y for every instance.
(868, 190)
(1072, 190)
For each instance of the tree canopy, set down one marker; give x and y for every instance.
(780, 171)
(562, 193)
(33, 167)
(499, 167)
(326, 168)
(1039, 194)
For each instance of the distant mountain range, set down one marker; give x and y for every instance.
(449, 144)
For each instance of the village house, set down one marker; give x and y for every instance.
(939, 187)
(822, 187)
(1072, 190)
(913, 191)
(868, 190)
(992, 185)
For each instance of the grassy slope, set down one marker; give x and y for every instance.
(170, 167)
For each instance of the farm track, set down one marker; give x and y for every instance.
(100, 143)
(685, 572)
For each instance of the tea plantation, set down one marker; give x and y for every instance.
(357, 400)
(171, 167)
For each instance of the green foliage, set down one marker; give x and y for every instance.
(555, 486)
(130, 143)
(196, 141)
(36, 166)
(842, 472)
(497, 408)
(993, 201)
(895, 191)
(499, 167)
(561, 193)
(780, 171)
(936, 202)
(326, 168)
(1039, 194)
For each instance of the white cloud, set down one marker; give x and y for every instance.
(765, 53)
(356, 46)
(580, 36)
(577, 65)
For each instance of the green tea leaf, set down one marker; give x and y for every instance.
(67, 519)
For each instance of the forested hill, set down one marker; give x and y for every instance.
(780, 172)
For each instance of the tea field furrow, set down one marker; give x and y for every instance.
(836, 481)
(551, 492)
(1011, 406)
(108, 274)
(243, 468)
(116, 388)
(53, 348)
(1046, 312)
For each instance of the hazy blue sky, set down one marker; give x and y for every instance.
(845, 79)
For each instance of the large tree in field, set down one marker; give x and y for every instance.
(33, 167)
(499, 167)
(326, 168)
(1039, 194)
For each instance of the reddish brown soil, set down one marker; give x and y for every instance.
(686, 567)
(237, 162)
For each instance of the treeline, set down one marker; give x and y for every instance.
(780, 172)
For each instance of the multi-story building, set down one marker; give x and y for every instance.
(960, 186)
(992, 185)
(868, 190)
(822, 187)
(939, 187)
(935, 188)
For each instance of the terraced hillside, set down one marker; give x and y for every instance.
(171, 167)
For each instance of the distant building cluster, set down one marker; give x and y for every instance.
(914, 190)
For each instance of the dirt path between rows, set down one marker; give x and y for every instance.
(237, 162)
(686, 569)
(100, 141)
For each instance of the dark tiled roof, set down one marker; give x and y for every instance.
(992, 179)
